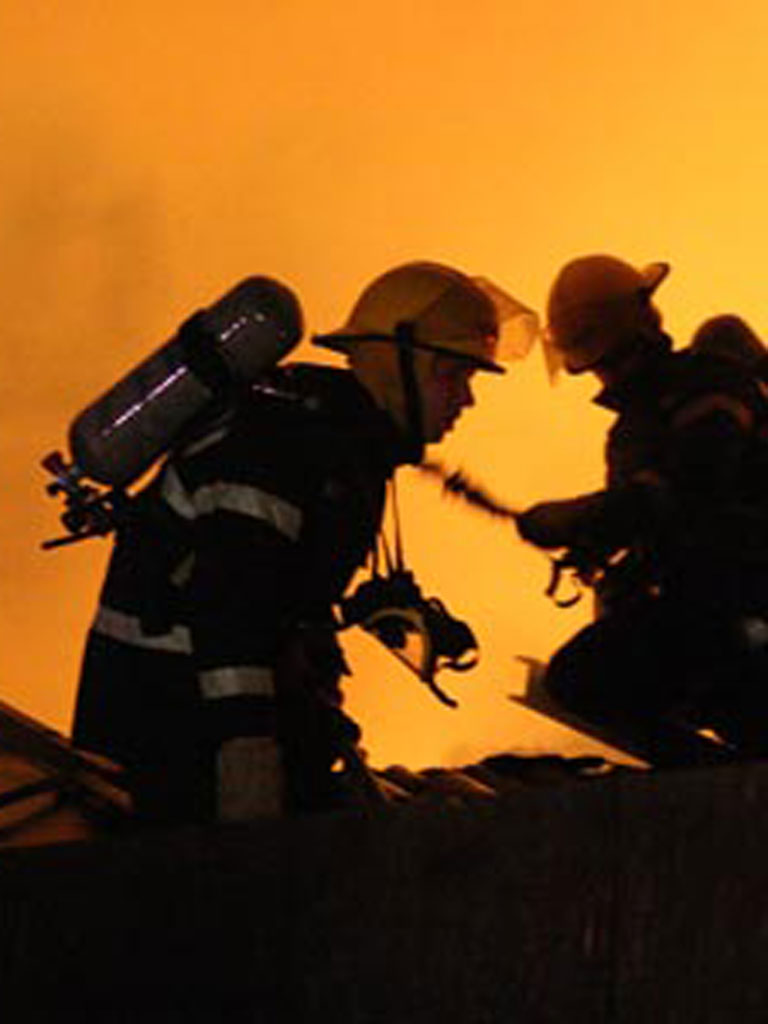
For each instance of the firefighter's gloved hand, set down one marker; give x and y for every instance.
(249, 779)
(561, 524)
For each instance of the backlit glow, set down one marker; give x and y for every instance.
(153, 156)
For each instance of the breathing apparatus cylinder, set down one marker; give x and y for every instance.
(220, 348)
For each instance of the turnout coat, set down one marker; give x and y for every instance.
(211, 670)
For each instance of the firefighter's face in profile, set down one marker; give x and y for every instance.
(627, 354)
(443, 382)
(446, 390)
(613, 345)
(602, 349)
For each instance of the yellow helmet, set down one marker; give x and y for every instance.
(594, 304)
(447, 310)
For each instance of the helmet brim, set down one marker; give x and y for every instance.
(339, 341)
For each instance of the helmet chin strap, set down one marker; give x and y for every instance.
(414, 416)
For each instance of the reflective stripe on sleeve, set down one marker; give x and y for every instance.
(128, 630)
(250, 501)
(244, 499)
(235, 681)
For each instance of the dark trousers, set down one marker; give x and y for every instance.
(655, 672)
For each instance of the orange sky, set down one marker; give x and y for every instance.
(155, 153)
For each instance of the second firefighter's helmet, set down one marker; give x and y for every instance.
(594, 304)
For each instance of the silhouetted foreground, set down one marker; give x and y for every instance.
(630, 897)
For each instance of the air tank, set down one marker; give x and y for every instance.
(218, 350)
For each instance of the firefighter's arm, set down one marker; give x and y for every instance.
(560, 524)
(242, 583)
(707, 440)
(603, 521)
(708, 464)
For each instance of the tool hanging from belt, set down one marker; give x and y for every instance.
(418, 630)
